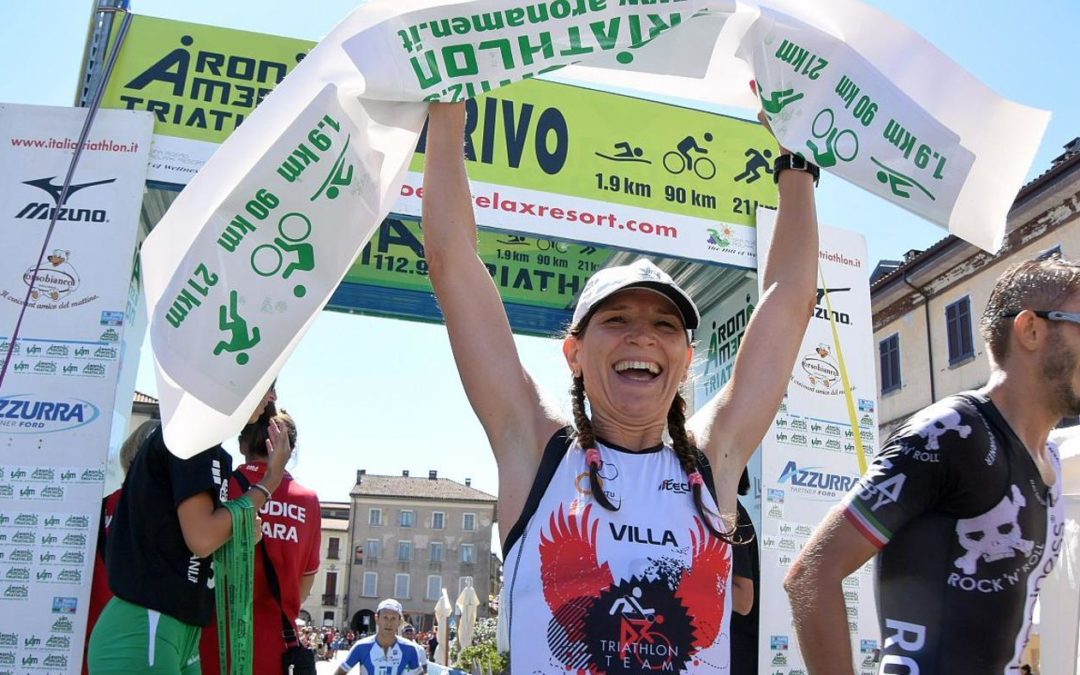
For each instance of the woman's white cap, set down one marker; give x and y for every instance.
(640, 274)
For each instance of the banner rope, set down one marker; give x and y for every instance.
(88, 123)
(860, 450)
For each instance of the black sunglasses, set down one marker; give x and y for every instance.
(1049, 315)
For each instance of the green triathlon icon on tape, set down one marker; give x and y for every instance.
(778, 100)
(899, 183)
(240, 337)
(268, 259)
(340, 176)
(840, 144)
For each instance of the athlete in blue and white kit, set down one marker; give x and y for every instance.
(384, 653)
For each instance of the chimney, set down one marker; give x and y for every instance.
(432, 474)
(405, 473)
(360, 475)
(1071, 149)
(468, 482)
(911, 254)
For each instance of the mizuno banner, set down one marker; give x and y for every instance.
(57, 405)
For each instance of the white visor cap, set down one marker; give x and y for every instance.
(639, 274)
(390, 605)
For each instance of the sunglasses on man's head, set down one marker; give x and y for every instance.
(1049, 315)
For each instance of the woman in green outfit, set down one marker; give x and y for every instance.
(169, 521)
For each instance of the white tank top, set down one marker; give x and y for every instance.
(639, 590)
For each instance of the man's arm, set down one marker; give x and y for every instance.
(350, 661)
(814, 588)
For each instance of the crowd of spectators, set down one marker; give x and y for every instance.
(327, 641)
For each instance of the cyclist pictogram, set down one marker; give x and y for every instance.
(840, 144)
(680, 159)
(637, 629)
(268, 259)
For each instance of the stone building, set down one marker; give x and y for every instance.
(412, 536)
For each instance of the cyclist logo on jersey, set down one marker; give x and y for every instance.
(656, 621)
(993, 536)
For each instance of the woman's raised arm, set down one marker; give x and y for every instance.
(503, 395)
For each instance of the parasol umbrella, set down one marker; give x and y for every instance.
(467, 603)
(443, 610)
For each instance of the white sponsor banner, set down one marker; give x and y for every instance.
(809, 453)
(719, 337)
(56, 406)
(286, 204)
(582, 219)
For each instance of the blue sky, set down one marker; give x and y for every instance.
(382, 394)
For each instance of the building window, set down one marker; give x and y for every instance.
(468, 522)
(373, 546)
(463, 583)
(358, 555)
(434, 587)
(328, 619)
(371, 584)
(468, 554)
(438, 520)
(958, 324)
(407, 518)
(436, 551)
(330, 597)
(401, 586)
(404, 551)
(374, 517)
(333, 550)
(889, 350)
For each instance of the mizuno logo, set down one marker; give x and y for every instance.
(55, 191)
(821, 293)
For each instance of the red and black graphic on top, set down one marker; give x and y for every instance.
(658, 622)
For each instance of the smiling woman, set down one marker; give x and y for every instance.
(608, 557)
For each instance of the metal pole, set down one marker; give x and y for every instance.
(97, 42)
(88, 123)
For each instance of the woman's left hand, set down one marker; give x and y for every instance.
(279, 451)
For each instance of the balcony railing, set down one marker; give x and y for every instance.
(330, 599)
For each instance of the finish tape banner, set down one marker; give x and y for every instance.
(809, 455)
(286, 204)
(74, 355)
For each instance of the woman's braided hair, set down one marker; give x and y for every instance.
(680, 443)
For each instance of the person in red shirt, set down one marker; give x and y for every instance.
(100, 593)
(292, 532)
